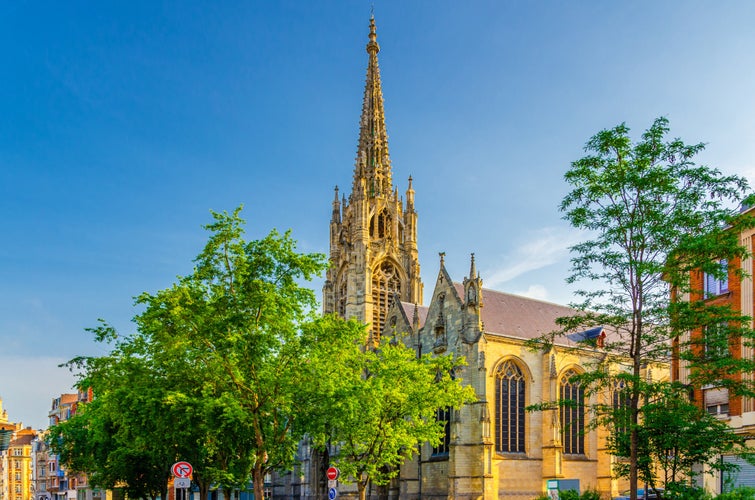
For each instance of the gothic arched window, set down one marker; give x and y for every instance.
(572, 414)
(443, 415)
(621, 404)
(385, 282)
(382, 227)
(509, 403)
(342, 296)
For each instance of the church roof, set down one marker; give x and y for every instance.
(507, 314)
(408, 309)
(517, 316)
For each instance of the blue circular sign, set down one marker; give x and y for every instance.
(332, 494)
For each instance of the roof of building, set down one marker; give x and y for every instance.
(23, 439)
(68, 398)
(508, 315)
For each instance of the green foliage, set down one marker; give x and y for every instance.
(741, 493)
(653, 219)
(674, 437)
(230, 366)
(569, 495)
(211, 374)
(590, 494)
(685, 491)
(382, 405)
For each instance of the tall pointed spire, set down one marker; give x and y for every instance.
(373, 234)
(373, 164)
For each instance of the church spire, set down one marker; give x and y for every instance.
(373, 164)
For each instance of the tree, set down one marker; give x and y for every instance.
(676, 438)
(652, 218)
(213, 371)
(230, 366)
(381, 406)
(119, 438)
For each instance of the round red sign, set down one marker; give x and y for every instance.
(182, 469)
(332, 473)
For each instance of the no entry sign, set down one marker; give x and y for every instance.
(332, 473)
(182, 469)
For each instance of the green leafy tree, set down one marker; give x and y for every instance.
(236, 320)
(119, 438)
(213, 371)
(675, 438)
(652, 218)
(381, 406)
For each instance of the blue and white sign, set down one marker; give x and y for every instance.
(332, 494)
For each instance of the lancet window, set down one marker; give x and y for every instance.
(385, 282)
(572, 414)
(510, 403)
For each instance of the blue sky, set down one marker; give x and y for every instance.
(122, 125)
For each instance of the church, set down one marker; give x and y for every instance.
(493, 448)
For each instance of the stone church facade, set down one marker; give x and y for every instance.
(493, 448)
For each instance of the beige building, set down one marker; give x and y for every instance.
(493, 448)
(16, 469)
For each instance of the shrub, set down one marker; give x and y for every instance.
(741, 493)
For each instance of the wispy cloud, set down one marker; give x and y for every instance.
(542, 248)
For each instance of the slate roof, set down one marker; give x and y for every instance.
(507, 315)
(408, 308)
(517, 316)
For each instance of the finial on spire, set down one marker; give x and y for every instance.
(442, 257)
(472, 269)
(372, 45)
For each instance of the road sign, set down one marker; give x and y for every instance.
(182, 469)
(182, 482)
(332, 494)
(332, 483)
(332, 473)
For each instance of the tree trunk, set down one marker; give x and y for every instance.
(634, 441)
(204, 488)
(362, 486)
(258, 478)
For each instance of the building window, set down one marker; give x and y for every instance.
(716, 341)
(621, 407)
(385, 282)
(342, 296)
(717, 401)
(722, 409)
(443, 415)
(509, 402)
(716, 286)
(572, 414)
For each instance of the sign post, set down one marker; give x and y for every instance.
(182, 469)
(332, 474)
(182, 472)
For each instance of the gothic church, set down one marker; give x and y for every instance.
(493, 448)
